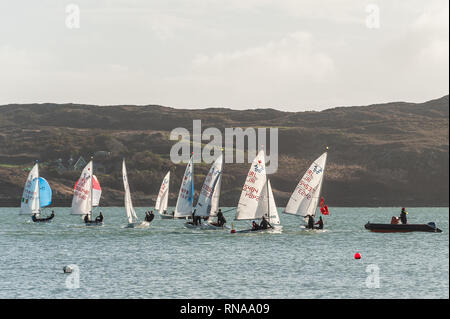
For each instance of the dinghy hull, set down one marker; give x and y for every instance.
(205, 226)
(402, 228)
(42, 220)
(166, 216)
(93, 223)
(143, 224)
(214, 227)
(275, 229)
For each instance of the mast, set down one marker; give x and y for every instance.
(38, 189)
(193, 189)
(185, 201)
(267, 189)
(321, 182)
(215, 197)
(92, 186)
(268, 201)
(251, 205)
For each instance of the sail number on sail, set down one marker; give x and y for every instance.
(250, 190)
(304, 188)
(81, 191)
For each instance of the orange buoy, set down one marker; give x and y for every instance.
(232, 228)
(357, 256)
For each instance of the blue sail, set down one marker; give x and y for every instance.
(193, 190)
(45, 192)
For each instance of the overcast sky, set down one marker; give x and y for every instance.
(286, 54)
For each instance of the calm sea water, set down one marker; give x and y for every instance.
(170, 261)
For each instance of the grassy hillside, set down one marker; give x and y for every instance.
(380, 155)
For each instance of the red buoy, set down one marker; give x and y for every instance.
(233, 231)
(357, 256)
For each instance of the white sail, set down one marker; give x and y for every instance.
(204, 203)
(215, 198)
(306, 195)
(186, 195)
(273, 219)
(251, 204)
(82, 196)
(30, 198)
(163, 196)
(131, 214)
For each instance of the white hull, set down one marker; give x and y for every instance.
(167, 216)
(94, 224)
(277, 229)
(143, 224)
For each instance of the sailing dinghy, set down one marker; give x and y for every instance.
(163, 198)
(305, 198)
(37, 194)
(86, 196)
(257, 199)
(208, 201)
(133, 221)
(185, 199)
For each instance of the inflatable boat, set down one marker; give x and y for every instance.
(402, 228)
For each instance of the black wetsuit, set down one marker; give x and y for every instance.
(196, 220)
(320, 223)
(403, 217)
(99, 219)
(311, 222)
(264, 224)
(149, 217)
(221, 220)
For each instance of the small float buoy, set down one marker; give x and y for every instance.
(232, 228)
(67, 269)
(357, 256)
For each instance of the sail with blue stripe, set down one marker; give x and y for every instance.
(45, 192)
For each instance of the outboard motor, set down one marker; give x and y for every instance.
(432, 225)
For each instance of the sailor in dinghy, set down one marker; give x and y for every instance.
(221, 221)
(208, 200)
(86, 196)
(37, 194)
(163, 198)
(257, 201)
(185, 201)
(133, 221)
(305, 198)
